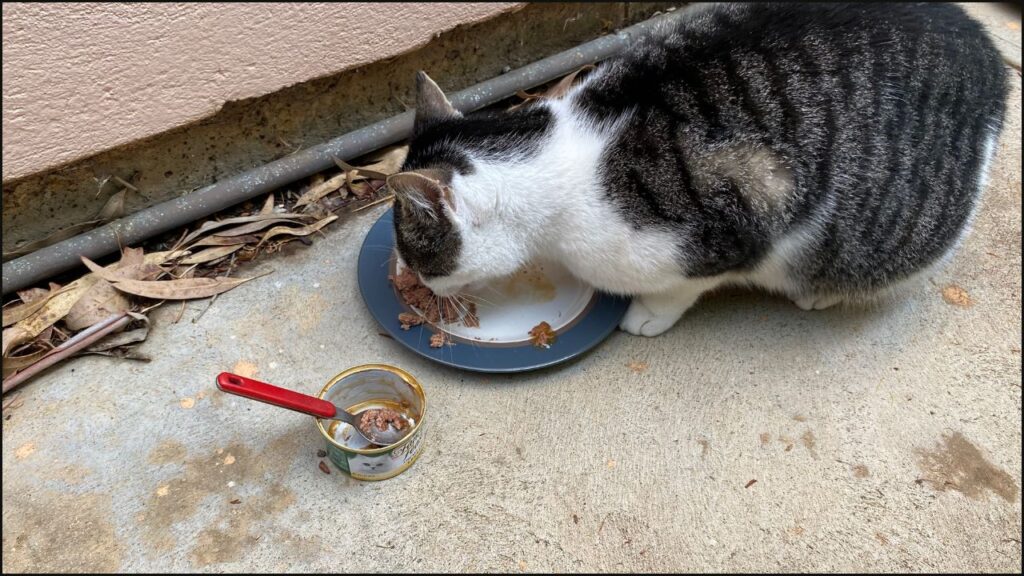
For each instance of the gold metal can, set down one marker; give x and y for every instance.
(367, 387)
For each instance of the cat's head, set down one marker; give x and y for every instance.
(448, 228)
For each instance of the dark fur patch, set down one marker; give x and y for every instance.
(879, 113)
(876, 114)
(431, 246)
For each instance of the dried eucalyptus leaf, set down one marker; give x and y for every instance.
(114, 208)
(58, 236)
(98, 303)
(120, 339)
(225, 240)
(257, 226)
(180, 289)
(211, 254)
(14, 363)
(210, 226)
(303, 231)
(51, 312)
(318, 191)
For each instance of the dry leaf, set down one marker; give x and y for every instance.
(225, 240)
(182, 289)
(95, 305)
(637, 367)
(165, 256)
(213, 225)
(319, 210)
(25, 450)
(558, 90)
(302, 231)
(318, 191)
(13, 314)
(362, 190)
(562, 87)
(120, 339)
(257, 226)
(125, 353)
(55, 308)
(13, 401)
(957, 296)
(33, 294)
(114, 208)
(57, 236)
(132, 266)
(385, 164)
(211, 254)
(245, 368)
(268, 205)
(14, 363)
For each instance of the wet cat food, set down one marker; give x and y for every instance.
(439, 339)
(378, 395)
(381, 418)
(542, 335)
(431, 308)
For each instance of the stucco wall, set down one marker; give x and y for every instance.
(82, 78)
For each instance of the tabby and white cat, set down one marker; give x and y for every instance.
(824, 151)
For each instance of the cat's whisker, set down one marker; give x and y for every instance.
(477, 299)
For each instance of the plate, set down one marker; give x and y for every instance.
(507, 309)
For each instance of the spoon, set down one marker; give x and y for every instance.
(270, 394)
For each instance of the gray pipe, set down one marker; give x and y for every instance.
(134, 228)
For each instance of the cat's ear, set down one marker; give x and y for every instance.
(431, 103)
(417, 191)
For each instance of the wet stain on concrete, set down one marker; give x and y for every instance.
(234, 535)
(178, 499)
(59, 532)
(809, 442)
(168, 452)
(787, 442)
(73, 474)
(705, 447)
(957, 464)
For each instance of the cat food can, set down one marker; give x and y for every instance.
(373, 386)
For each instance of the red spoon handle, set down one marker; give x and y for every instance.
(256, 390)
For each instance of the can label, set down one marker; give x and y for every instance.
(378, 466)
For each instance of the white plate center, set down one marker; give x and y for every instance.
(510, 307)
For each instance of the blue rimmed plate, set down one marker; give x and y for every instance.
(507, 310)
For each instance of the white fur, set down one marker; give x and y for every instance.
(511, 210)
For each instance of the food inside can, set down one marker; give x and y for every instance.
(381, 418)
(379, 396)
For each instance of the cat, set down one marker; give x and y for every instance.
(828, 152)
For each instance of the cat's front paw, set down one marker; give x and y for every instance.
(640, 321)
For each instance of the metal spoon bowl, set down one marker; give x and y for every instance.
(298, 402)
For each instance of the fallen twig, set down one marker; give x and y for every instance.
(375, 202)
(10, 400)
(82, 340)
(231, 267)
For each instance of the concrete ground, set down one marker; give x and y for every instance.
(880, 440)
